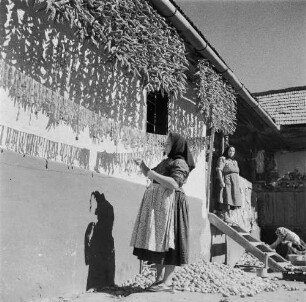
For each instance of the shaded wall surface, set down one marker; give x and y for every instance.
(289, 161)
(44, 217)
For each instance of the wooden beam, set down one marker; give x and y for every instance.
(250, 244)
(208, 175)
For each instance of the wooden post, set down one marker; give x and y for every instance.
(222, 144)
(208, 175)
(140, 266)
(253, 154)
(225, 143)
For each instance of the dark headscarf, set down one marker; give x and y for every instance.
(225, 153)
(180, 149)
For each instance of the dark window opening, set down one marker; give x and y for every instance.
(157, 113)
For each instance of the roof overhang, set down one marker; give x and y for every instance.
(190, 33)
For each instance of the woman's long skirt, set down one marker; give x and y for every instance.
(230, 197)
(179, 254)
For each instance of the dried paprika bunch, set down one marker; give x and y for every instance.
(216, 99)
(134, 35)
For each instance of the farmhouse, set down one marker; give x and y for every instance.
(85, 87)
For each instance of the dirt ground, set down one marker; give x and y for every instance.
(288, 291)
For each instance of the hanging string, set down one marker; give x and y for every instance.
(1, 134)
(34, 145)
(29, 94)
(32, 95)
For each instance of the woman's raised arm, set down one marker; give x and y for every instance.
(166, 181)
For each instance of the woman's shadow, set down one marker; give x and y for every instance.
(99, 244)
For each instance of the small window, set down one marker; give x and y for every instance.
(157, 113)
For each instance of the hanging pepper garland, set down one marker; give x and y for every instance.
(1, 134)
(216, 99)
(122, 162)
(29, 94)
(150, 149)
(151, 152)
(133, 34)
(132, 43)
(34, 145)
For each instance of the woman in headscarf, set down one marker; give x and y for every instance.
(160, 234)
(230, 197)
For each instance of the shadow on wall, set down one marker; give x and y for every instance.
(52, 55)
(99, 244)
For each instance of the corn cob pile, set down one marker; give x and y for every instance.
(249, 260)
(205, 277)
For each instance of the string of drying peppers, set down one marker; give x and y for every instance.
(133, 34)
(141, 40)
(34, 145)
(137, 37)
(216, 99)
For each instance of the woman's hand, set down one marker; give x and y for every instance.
(222, 184)
(165, 181)
(220, 176)
(275, 243)
(143, 167)
(150, 175)
(137, 161)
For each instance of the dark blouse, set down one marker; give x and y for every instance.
(175, 168)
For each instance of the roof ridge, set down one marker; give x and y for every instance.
(289, 89)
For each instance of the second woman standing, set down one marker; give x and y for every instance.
(229, 194)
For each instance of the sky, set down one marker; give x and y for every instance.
(263, 42)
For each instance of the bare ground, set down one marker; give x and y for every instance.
(288, 291)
